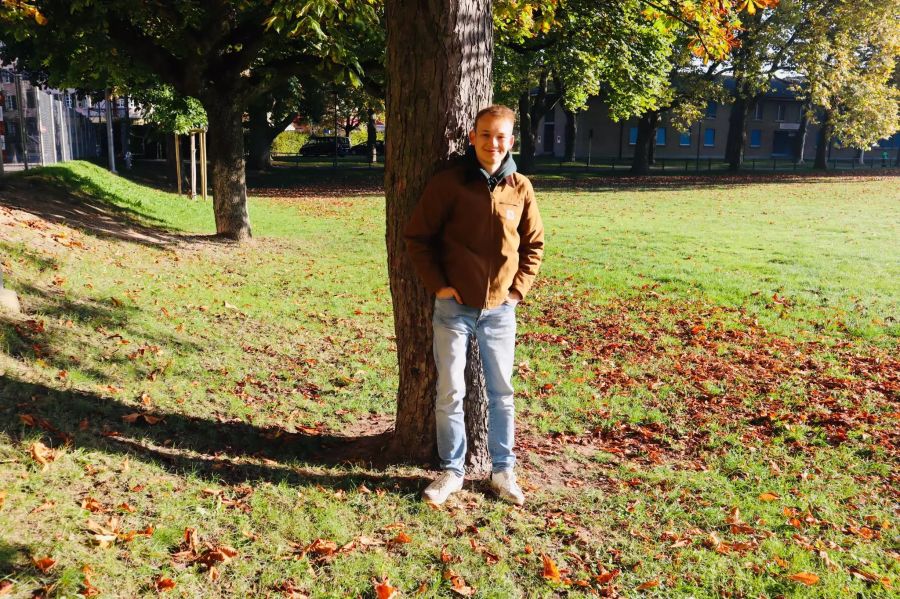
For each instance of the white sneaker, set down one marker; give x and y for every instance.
(505, 485)
(442, 487)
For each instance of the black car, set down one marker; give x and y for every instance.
(320, 145)
(363, 148)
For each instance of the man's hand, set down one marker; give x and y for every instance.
(514, 297)
(448, 293)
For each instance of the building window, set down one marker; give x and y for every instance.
(711, 109)
(68, 100)
(684, 139)
(709, 137)
(31, 126)
(780, 111)
(549, 118)
(661, 136)
(758, 111)
(755, 138)
(12, 103)
(30, 97)
(6, 76)
(632, 136)
(12, 130)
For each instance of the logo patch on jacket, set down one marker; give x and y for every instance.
(510, 214)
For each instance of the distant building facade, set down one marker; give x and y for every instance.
(773, 128)
(41, 124)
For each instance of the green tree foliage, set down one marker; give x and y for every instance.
(221, 52)
(848, 56)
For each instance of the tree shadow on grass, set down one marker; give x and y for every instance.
(17, 568)
(37, 336)
(58, 195)
(232, 451)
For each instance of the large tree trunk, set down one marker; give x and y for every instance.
(439, 74)
(527, 135)
(259, 138)
(646, 137)
(737, 133)
(825, 135)
(571, 130)
(226, 156)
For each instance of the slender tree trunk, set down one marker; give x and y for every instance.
(737, 133)
(371, 134)
(647, 124)
(860, 156)
(125, 126)
(571, 130)
(259, 138)
(439, 56)
(825, 135)
(171, 169)
(527, 137)
(226, 157)
(800, 148)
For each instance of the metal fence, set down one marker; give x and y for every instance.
(45, 120)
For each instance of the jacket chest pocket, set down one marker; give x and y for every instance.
(509, 212)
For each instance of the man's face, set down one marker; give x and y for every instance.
(492, 138)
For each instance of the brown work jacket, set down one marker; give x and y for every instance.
(482, 243)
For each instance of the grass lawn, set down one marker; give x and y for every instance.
(707, 380)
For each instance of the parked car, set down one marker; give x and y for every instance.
(363, 148)
(321, 145)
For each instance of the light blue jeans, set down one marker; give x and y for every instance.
(495, 330)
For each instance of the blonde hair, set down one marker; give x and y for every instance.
(495, 110)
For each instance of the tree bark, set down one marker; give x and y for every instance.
(527, 137)
(226, 157)
(737, 133)
(439, 56)
(825, 135)
(646, 137)
(571, 130)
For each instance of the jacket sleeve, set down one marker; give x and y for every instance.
(422, 235)
(531, 244)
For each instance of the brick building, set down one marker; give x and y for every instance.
(772, 132)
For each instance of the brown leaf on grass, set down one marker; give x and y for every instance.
(135, 417)
(27, 419)
(92, 505)
(550, 571)
(164, 584)
(871, 577)
(445, 555)
(383, 588)
(87, 588)
(650, 584)
(44, 564)
(126, 507)
(768, 496)
(807, 578)
(6, 587)
(42, 454)
(606, 577)
(106, 534)
(43, 507)
(459, 586)
(401, 538)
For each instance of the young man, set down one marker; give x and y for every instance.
(476, 240)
